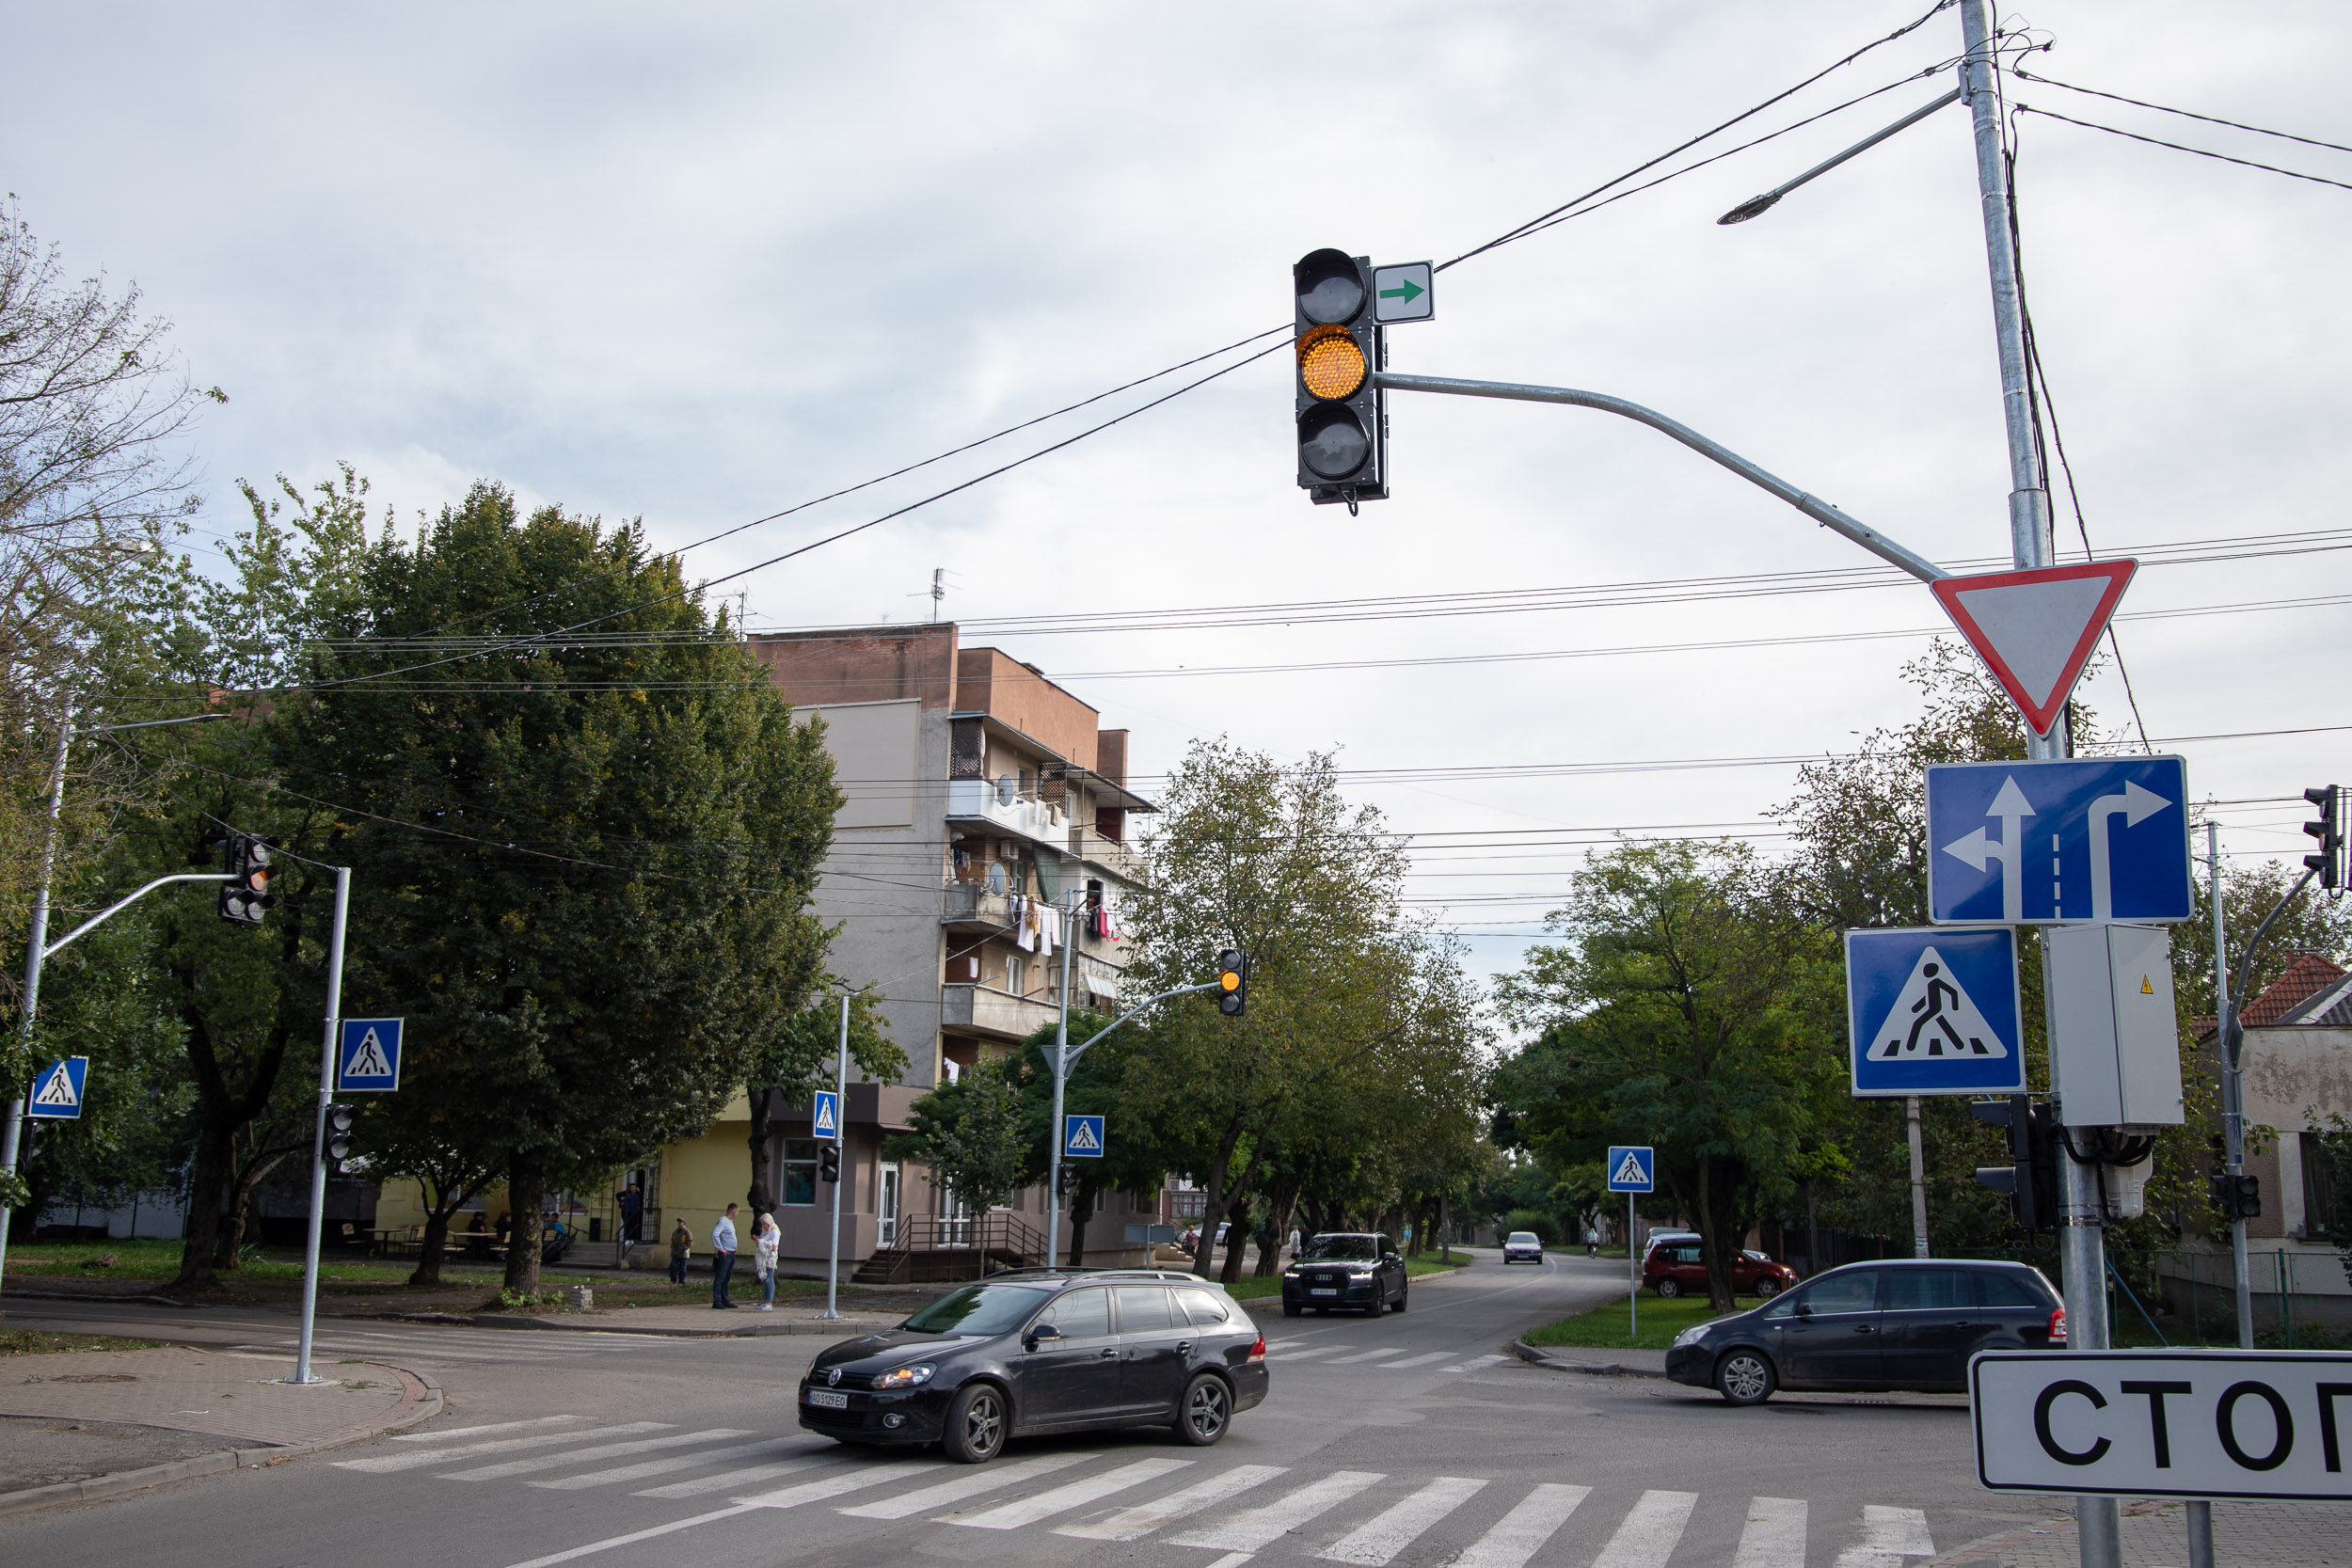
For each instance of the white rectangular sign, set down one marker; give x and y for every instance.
(2188, 1423)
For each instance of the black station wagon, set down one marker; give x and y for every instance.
(1039, 1351)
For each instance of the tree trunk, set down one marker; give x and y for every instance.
(1714, 1217)
(1281, 1203)
(208, 1173)
(245, 1183)
(1237, 1234)
(1445, 1232)
(428, 1270)
(762, 1197)
(1212, 1205)
(526, 1184)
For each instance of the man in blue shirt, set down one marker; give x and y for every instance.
(722, 1257)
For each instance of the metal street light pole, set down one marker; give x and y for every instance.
(1061, 1077)
(318, 1138)
(2232, 1086)
(840, 1126)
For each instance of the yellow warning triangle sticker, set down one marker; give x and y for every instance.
(2145, 989)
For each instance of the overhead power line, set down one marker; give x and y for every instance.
(2177, 147)
(2025, 75)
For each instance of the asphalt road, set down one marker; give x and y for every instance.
(1411, 1439)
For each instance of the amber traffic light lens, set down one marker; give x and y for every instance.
(1230, 980)
(1331, 363)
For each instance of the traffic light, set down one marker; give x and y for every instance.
(829, 1163)
(2238, 1198)
(1066, 1179)
(1342, 416)
(1233, 979)
(2029, 1180)
(336, 1151)
(2329, 830)
(244, 897)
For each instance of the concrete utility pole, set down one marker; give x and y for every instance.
(2232, 1086)
(1918, 1178)
(2082, 1241)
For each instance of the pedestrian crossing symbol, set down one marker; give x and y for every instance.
(57, 1090)
(1632, 1168)
(1934, 1012)
(825, 1120)
(371, 1056)
(1082, 1138)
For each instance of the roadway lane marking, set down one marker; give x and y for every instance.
(658, 1467)
(1371, 1355)
(1775, 1535)
(1261, 1526)
(633, 1537)
(604, 1450)
(1302, 1355)
(1062, 1499)
(834, 1486)
(967, 1485)
(1521, 1533)
(448, 1433)
(1132, 1524)
(385, 1464)
(1230, 1560)
(1414, 1360)
(1476, 1362)
(735, 1480)
(1888, 1536)
(1397, 1527)
(1649, 1532)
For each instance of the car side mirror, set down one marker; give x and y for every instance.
(1039, 1333)
(1804, 1309)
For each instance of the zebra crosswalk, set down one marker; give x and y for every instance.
(1389, 1358)
(1242, 1511)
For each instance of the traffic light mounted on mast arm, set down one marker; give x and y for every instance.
(2329, 830)
(1233, 978)
(244, 897)
(1342, 418)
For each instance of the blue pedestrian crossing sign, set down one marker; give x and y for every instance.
(1082, 1137)
(1632, 1168)
(2084, 840)
(371, 1056)
(1932, 1010)
(824, 1122)
(57, 1090)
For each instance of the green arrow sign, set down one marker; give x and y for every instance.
(1408, 290)
(1403, 292)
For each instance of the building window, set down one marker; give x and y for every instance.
(1017, 977)
(800, 1173)
(2322, 1215)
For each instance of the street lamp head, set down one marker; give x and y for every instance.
(1753, 207)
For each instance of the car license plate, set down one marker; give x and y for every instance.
(1320, 1292)
(825, 1398)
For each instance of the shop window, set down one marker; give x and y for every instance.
(800, 1173)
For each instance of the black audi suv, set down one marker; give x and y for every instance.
(1345, 1271)
(1043, 1351)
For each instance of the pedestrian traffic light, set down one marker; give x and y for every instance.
(1065, 1179)
(1233, 979)
(2329, 830)
(829, 1163)
(1342, 418)
(244, 897)
(336, 1149)
(2029, 1180)
(2237, 1197)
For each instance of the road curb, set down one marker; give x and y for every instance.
(601, 1325)
(421, 1400)
(1534, 1357)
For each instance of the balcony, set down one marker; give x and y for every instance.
(968, 909)
(997, 1014)
(978, 801)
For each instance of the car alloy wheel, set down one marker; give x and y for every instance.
(1399, 1304)
(1744, 1377)
(1670, 1287)
(976, 1424)
(1766, 1288)
(1207, 1410)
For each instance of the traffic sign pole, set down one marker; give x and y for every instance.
(318, 1138)
(840, 1122)
(1632, 1280)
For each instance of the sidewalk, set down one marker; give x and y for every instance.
(744, 1322)
(2155, 1535)
(235, 1397)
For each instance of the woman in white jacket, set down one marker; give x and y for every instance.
(764, 1246)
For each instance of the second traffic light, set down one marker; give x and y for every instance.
(829, 1163)
(2029, 1180)
(2237, 1197)
(1342, 418)
(244, 897)
(2329, 830)
(335, 1149)
(1233, 979)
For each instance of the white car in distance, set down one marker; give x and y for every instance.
(1522, 1244)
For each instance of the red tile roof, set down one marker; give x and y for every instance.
(2306, 978)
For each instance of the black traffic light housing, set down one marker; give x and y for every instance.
(244, 898)
(2237, 1197)
(1233, 978)
(2329, 830)
(2029, 1180)
(829, 1163)
(1066, 1178)
(1342, 418)
(335, 1149)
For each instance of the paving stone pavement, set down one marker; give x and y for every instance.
(2155, 1535)
(233, 1395)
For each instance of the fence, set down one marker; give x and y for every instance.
(2298, 1298)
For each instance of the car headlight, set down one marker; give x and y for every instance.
(1290, 1274)
(1360, 1274)
(905, 1377)
(1690, 1335)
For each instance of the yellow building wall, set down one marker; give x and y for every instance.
(700, 1177)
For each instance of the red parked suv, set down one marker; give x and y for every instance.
(1672, 1267)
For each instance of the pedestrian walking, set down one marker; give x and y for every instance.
(766, 1240)
(681, 1248)
(723, 1259)
(1591, 1242)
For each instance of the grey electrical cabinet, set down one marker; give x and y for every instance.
(2115, 1057)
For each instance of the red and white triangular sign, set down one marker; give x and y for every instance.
(2035, 630)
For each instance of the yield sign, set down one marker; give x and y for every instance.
(2035, 630)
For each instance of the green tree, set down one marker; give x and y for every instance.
(973, 1134)
(798, 1058)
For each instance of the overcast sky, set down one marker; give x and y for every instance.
(696, 268)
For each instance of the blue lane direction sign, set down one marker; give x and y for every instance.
(1082, 1137)
(824, 1120)
(370, 1059)
(57, 1090)
(1932, 1010)
(1632, 1168)
(2058, 842)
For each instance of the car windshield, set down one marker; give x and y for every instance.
(1342, 1250)
(979, 1309)
(1522, 1237)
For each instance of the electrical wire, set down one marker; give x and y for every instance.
(2025, 75)
(2198, 152)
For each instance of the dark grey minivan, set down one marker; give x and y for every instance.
(1900, 1324)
